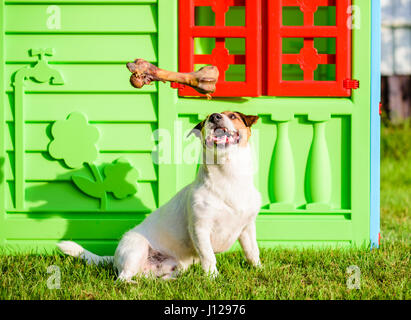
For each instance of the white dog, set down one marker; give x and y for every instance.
(204, 218)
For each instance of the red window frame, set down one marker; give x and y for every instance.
(308, 58)
(267, 22)
(220, 56)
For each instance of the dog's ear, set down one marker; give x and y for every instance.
(248, 120)
(197, 129)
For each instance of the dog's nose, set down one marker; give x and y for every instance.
(215, 117)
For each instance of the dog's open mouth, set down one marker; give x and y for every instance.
(222, 137)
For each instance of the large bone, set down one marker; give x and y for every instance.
(203, 80)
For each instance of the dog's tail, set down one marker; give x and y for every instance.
(73, 249)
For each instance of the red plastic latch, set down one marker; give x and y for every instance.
(176, 85)
(380, 108)
(379, 239)
(351, 84)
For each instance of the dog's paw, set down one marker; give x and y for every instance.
(257, 264)
(71, 248)
(169, 276)
(212, 273)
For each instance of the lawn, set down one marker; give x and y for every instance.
(286, 274)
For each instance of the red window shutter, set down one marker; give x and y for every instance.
(308, 58)
(220, 56)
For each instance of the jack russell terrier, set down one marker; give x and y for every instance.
(204, 218)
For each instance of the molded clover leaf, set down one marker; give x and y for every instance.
(121, 178)
(74, 140)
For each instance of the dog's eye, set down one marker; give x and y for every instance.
(232, 116)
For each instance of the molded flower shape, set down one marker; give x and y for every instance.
(121, 178)
(74, 140)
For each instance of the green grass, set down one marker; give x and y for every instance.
(286, 273)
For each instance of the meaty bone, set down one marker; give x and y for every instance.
(202, 80)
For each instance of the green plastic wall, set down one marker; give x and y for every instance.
(76, 150)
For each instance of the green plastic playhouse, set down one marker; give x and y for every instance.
(85, 156)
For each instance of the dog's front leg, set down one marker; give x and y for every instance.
(248, 241)
(202, 243)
